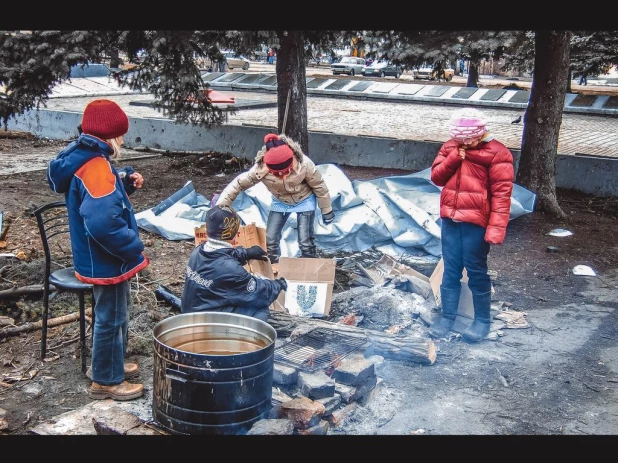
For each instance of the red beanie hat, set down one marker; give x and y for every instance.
(279, 155)
(104, 119)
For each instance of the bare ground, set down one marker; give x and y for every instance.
(558, 376)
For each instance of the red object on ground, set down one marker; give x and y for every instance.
(218, 97)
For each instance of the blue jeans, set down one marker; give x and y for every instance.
(464, 246)
(274, 226)
(111, 328)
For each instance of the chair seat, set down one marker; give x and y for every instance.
(65, 279)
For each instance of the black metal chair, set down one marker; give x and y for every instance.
(53, 222)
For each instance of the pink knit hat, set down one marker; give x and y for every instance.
(467, 125)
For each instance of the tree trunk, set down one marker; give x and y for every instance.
(292, 82)
(115, 60)
(543, 117)
(473, 75)
(569, 88)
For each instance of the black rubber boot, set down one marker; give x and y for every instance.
(450, 302)
(479, 329)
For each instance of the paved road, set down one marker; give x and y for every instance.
(580, 133)
(589, 134)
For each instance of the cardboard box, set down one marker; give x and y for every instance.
(310, 285)
(264, 268)
(200, 235)
(466, 306)
(248, 235)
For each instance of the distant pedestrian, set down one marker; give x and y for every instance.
(476, 174)
(271, 56)
(583, 78)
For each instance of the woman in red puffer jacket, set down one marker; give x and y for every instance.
(476, 173)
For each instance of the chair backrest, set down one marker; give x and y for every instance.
(53, 222)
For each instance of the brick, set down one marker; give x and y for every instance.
(272, 427)
(303, 411)
(339, 417)
(284, 375)
(316, 385)
(330, 403)
(354, 370)
(320, 429)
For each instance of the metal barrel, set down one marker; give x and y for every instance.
(213, 372)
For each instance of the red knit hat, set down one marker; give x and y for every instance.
(104, 119)
(279, 155)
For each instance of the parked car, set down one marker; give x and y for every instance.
(430, 73)
(235, 61)
(350, 65)
(232, 61)
(382, 69)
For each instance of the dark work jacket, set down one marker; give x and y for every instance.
(216, 280)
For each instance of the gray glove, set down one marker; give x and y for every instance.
(282, 283)
(256, 252)
(328, 218)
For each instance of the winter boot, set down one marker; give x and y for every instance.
(122, 391)
(450, 303)
(479, 329)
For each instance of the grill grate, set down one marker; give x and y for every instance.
(318, 349)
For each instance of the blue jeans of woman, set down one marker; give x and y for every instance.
(111, 327)
(306, 239)
(464, 246)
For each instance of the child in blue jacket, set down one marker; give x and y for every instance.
(107, 250)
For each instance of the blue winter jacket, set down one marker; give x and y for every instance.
(104, 235)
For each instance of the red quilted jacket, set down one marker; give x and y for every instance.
(477, 189)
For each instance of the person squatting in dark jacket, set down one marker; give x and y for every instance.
(216, 280)
(476, 172)
(107, 250)
(296, 186)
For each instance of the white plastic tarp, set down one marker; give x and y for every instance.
(396, 215)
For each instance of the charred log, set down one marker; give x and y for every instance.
(393, 346)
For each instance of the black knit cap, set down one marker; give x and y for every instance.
(222, 223)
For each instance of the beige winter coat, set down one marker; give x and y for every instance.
(297, 186)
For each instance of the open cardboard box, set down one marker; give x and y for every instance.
(430, 286)
(249, 235)
(426, 286)
(310, 285)
(466, 306)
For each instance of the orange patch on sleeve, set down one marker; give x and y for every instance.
(97, 177)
